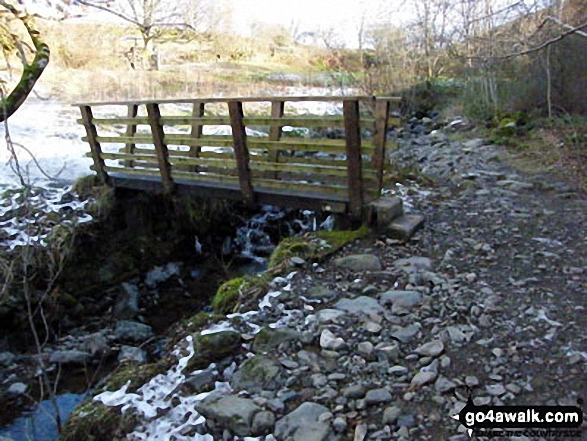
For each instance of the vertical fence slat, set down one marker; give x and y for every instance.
(160, 147)
(275, 131)
(196, 132)
(379, 139)
(353, 154)
(131, 130)
(95, 147)
(241, 152)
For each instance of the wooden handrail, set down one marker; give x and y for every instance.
(267, 99)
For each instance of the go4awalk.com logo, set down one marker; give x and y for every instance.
(530, 421)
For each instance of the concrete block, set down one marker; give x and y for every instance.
(384, 210)
(405, 226)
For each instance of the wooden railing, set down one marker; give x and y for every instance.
(174, 149)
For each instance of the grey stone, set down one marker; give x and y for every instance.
(354, 391)
(339, 424)
(132, 353)
(422, 378)
(390, 415)
(127, 302)
(329, 341)
(400, 300)
(201, 382)
(377, 396)
(387, 351)
(263, 423)
(258, 373)
(6, 358)
(135, 331)
(386, 210)
(397, 370)
(317, 431)
(443, 385)
(365, 348)
(69, 357)
(360, 432)
(359, 262)
(320, 292)
(268, 339)
(297, 261)
(414, 264)
(405, 226)
(471, 381)
(495, 389)
(430, 349)
(329, 315)
(234, 413)
(17, 389)
(96, 343)
(406, 334)
(360, 305)
(304, 421)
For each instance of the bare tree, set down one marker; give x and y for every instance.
(150, 17)
(31, 71)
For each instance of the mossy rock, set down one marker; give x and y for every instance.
(212, 348)
(314, 246)
(93, 421)
(230, 293)
(268, 339)
(192, 325)
(138, 374)
(227, 296)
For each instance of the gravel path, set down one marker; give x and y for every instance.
(385, 340)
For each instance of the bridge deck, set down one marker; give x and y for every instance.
(162, 146)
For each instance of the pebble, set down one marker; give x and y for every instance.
(430, 349)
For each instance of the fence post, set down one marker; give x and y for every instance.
(95, 147)
(379, 139)
(241, 152)
(353, 154)
(160, 146)
(275, 131)
(196, 133)
(131, 130)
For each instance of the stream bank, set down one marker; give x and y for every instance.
(135, 265)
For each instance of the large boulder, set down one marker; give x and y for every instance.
(359, 262)
(230, 412)
(303, 424)
(258, 373)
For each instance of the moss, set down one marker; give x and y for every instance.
(96, 422)
(227, 295)
(212, 348)
(101, 196)
(191, 325)
(314, 246)
(93, 421)
(138, 374)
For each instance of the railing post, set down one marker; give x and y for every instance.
(196, 132)
(353, 154)
(379, 139)
(92, 133)
(241, 152)
(131, 130)
(275, 131)
(160, 147)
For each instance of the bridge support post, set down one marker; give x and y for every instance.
(196, 132)
(275, 131)
(241, 152)
(131, 130)
(353, 154)
(160, 147)
(92, 133)
(380, 138)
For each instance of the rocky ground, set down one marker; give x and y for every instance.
(385, 340)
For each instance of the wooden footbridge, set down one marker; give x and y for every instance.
(262, 159)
